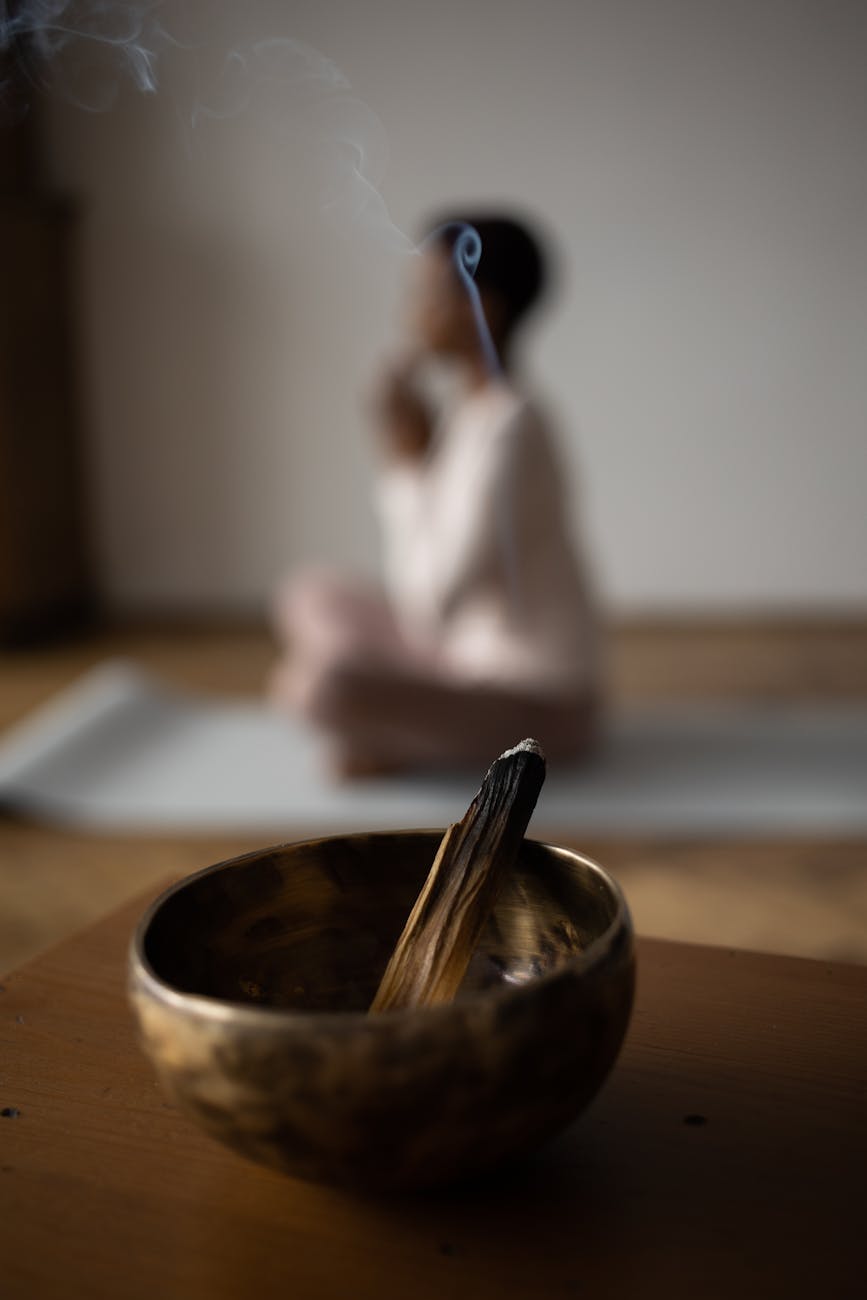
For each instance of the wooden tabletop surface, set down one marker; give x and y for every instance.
(724, 1157)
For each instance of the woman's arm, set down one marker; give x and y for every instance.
(403, 421)
(482, 521)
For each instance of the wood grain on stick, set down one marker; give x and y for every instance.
(438, 940)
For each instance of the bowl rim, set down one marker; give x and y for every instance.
(219, 1009)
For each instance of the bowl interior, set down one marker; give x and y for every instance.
(312, 925)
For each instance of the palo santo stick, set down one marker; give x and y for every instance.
(438, 940)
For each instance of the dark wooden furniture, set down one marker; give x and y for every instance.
(44, 558)
(724, 1157)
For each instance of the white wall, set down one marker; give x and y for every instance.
(702, 164)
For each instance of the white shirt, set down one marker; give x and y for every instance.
(480, 565)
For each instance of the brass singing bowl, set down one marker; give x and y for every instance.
(251, 980)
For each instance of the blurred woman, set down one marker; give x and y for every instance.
(485, 631)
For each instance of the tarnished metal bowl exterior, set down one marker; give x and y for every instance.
(250, 982)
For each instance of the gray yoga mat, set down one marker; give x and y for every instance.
(121, 750)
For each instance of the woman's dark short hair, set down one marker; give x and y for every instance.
(512, 264)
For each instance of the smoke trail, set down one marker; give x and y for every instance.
(84, 52)
(352, 145)
(253, 69)
(466, 254)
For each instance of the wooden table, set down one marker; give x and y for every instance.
(725, 1157)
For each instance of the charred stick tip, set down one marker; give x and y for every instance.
(515, 773)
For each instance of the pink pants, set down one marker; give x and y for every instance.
(349, 671)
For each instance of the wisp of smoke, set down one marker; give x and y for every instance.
(83, 51)
(466, 254)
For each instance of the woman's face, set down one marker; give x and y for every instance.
(439, 314)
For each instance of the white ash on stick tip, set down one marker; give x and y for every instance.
(528, 746)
